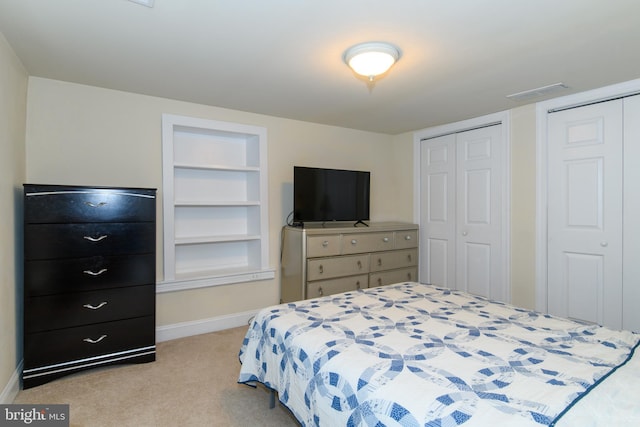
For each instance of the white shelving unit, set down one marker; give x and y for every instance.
(215, 203)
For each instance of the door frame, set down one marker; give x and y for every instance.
(502, 118)
(543, 109)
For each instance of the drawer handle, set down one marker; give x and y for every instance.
(320, 269)
(359, 265)
(409, 257)
(320, 291)
(409, 276)
(95, 273)
(95, 307)
(354, 241)
(385, 239)
(407, 237)
(379, 262)
(379, 281)
(358, 284)
(95, 205)
(90, 341)
(95, 239)
(325, 244)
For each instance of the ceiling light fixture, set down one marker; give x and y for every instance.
(371, 59)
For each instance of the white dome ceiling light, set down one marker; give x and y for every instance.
(371, 59)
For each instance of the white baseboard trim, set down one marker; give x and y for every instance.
(203, 326)
(12, 388)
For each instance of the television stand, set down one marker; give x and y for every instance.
(360, 222)
(321, 260)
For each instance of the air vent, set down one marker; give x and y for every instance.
(534, 93)
(148, 3)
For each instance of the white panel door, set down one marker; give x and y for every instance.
(479, 213)
(585, 213)
(631, 238)
(461, 212)
(438, 181)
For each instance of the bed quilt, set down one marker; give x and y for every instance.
(416, 355)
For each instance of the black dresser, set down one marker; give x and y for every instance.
(89, 279)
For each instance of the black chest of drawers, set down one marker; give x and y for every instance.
(89, 279)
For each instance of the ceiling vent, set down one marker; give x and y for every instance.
(538, 92)
(148, 3)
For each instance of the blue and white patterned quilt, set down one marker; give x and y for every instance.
(416, 355)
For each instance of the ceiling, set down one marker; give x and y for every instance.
(460, 58)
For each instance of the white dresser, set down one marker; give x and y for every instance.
(323, 260)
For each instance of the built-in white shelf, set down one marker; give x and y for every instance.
(215, 202)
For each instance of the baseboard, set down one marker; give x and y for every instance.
(10, 391)
(203, 326)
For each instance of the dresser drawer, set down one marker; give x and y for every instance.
(366, 242)
(45, 277)
(57, 204)
(318, 246)
(64, 345)
(335, 286)
(395, 259)
(394, 276)
(83, 308)
(327, 268)
(405, 239)
(46, 241)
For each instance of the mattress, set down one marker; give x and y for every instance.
(412, 354)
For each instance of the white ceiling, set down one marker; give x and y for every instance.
(460, 58)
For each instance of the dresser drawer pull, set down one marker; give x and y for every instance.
(359, 263)
(409, 276)
(407, 237)
(379, 262)
(358, 284)
(325, 244)
(379, 281)
(95, 205)
(320, 291)
(385, 239)
(409, 257)
(95, 239)
(91, 341)
(354, 242)
(95, 273)
(320, 269)
(95, 307)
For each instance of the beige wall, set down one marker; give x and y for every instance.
(523, 206)
(91, 136)
(13, 90)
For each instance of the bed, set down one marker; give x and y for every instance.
(412, 354)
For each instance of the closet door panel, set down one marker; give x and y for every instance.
(438, 210)
(631, 273)
(479, 212)
(585, 213)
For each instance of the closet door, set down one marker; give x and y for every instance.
(479, 213)
(631, 224)
(585, 213)
(438, 211)
(461, 212)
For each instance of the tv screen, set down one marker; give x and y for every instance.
(330, 195)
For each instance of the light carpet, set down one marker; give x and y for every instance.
(193, 382)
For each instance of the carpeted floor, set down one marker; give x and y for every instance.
(193, 382)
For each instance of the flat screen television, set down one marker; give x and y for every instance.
(321, 195)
